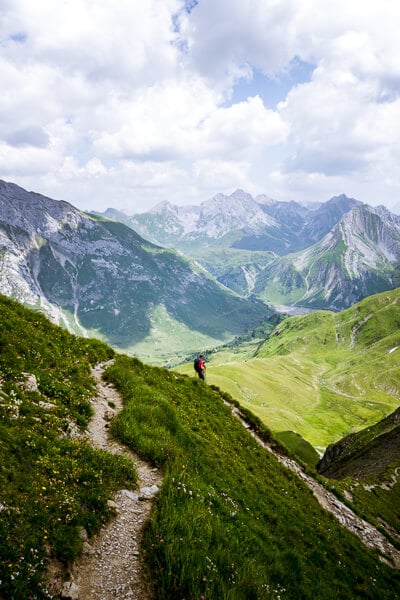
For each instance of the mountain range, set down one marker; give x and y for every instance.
(237, 221)
(100, 278)
(328, 256)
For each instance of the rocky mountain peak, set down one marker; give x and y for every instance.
(164, 207)
(265, 200)
(35, 213)
(224, 213)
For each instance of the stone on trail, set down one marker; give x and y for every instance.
(147, 492)
(70, 591)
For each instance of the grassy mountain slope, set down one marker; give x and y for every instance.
(229, 522)
(367, 452)
(322, 375)
(51, 482)
(367, 463)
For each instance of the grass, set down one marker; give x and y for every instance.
(157, 348)
(322, 375)
(229, 521)
(299, 447)
(51, 484)
(367, 465)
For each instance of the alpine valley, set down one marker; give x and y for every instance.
(99, 278)
(246, 508)
(329, 255)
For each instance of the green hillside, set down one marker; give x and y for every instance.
(366, 453)
(52, 483)
(229, 521)
(367, 463)
(322, 375)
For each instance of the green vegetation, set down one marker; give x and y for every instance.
(367, 464)
(301, 449)
(159, 348)
(51, 484)
(229, 521)
(377, 499)
(322, 375)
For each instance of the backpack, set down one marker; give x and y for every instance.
(196, 365)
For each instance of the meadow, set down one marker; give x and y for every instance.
(230, 521)
(53, 483)
(322, 375)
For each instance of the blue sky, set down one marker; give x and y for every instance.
(126, 103)
(272, 89)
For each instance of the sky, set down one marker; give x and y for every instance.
(127, 103)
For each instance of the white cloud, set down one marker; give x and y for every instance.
(101, 39)
(227, 41)
(183, 120)
(26, 160)
(131, 101)
(346, 120)
(210, 175)
(244, 128)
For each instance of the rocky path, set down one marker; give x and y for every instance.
(366, 532)
(110, 566)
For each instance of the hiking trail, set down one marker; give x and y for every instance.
(367, 533)
(111, 565)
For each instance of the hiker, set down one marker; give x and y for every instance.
(200, 366)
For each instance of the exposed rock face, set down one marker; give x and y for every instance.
(180, 225)
(355, 259)
(366, 453)
(345, 250)
(264, 223)
(320, 221)
(100, 277)
(333, 454)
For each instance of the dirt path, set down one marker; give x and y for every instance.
(366, 532)
(111, 566)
